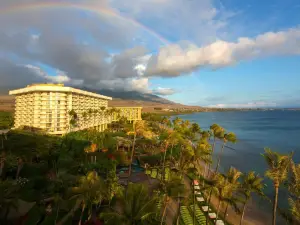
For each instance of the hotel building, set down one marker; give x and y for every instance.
(51, 107)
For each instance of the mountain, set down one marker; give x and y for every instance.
(149, 102)
(125, 95)
(131, 95)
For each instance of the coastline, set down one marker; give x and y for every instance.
(253, 216)
(259, 129)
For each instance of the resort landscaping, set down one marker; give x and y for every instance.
(155, 171)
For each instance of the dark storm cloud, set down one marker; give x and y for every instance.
(68, 41)
(16, 76)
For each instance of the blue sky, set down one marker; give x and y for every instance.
(221, 53)
(271, 80)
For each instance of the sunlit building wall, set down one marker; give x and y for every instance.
(49, 106)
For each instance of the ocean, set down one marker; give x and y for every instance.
(255, 130)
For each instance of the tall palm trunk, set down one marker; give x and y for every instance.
(132, 153)
(243, 212)
(20, 166)
(218, 209)
(194, 206)
(226, 209)
(2, 164)
(275, 204)
(219, 158)
(72, 211)
(178, 214)
(81, 215)
(2, 142)
(208, 203)
(205, 168)
(165, 209)
(164, 160)
(212, 152)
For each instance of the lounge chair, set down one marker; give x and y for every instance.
(200, 199)
(220, 222)
(212, 215)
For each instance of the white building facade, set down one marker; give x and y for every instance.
(51, 107)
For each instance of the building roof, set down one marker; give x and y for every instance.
(55, 88)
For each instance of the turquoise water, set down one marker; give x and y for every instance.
(279, 130)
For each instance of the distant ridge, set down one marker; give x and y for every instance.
(131, 95)
(125, 95)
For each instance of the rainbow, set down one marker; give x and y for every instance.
(97, 10)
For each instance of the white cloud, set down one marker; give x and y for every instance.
(200, 20)
(60, 76)
(163, 91)
(245, 105)
(140, 84)
(174, 60)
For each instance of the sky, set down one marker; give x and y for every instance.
(216, 53)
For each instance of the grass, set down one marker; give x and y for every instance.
(6, 120)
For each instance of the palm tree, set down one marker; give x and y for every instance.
(135, 206)
(294, 188)
(171, 139)
(73, 119)
(228, 137)
(166, 121)
(218, 133)
(202, 153)
(222, 190)
(183, 163)
(295, 208)
(294, 185)
(84, 116)
(90, 115)
(8, 198)
(278, 172)
(176, 122)
(195, 129)
(232, 177)
(171, 190)
(139, 128)
(251, 183)
(90, 192)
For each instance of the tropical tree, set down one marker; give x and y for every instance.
(84, 116)
(251, 183)
(218, 133)
(232, 177)
(295, 208)
(294, 188)
(140, 128)
(228, 137)
(90, 193)
(169, 140)
(73, 119)
(224, 191)
(176, 123)
(294, 184)
(195, 130)
(134, 206)
(202, 154)
(171, 190)
(8, 198)
(166, 121)
(278, 167)
(184, 161)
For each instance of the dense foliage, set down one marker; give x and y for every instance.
(6, 120)
(76, 178)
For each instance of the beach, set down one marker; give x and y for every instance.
(255, 130)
